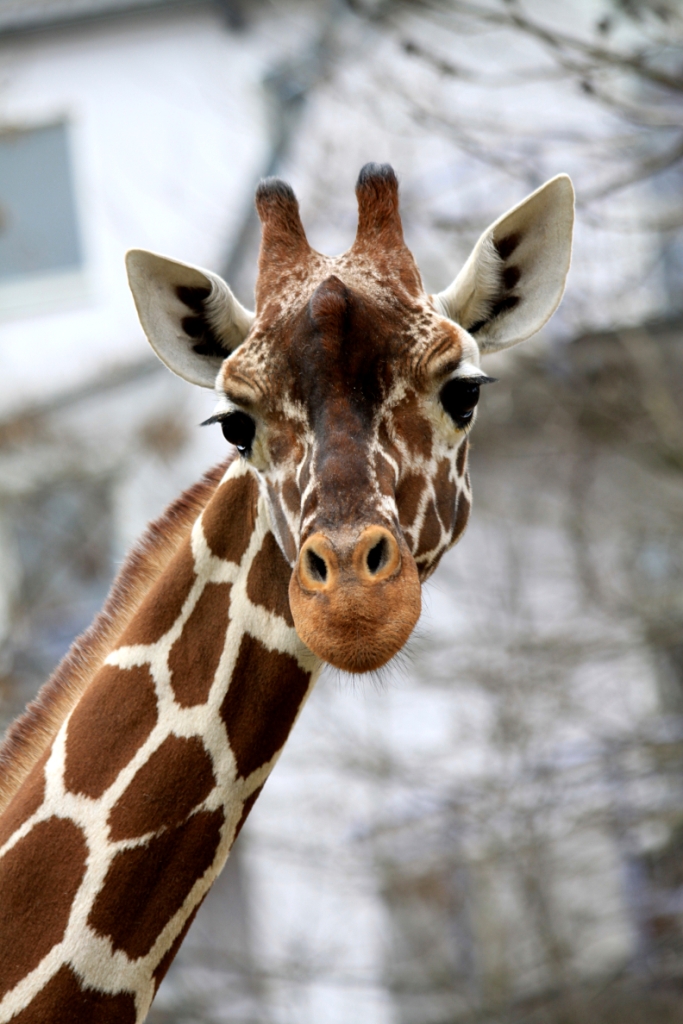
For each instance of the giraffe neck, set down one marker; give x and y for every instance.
(128, 814)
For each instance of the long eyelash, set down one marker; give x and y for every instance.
(218, 418)
(477, 380)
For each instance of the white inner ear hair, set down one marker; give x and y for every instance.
(486, 285)
(227, 317)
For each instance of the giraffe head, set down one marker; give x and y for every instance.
(352, 392)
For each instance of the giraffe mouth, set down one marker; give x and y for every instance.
(355, 604)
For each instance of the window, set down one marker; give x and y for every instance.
(40, 251)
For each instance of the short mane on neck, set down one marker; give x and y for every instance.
(143, 758)
(31, 734)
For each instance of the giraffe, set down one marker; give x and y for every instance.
(347, 399)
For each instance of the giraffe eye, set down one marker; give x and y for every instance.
(239, 429)
(459, 398)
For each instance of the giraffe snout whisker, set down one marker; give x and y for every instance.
(355, 600)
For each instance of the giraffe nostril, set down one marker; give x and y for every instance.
(377, 556)
(316, 566)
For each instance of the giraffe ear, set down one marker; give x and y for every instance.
(514, 279)
(191, 318)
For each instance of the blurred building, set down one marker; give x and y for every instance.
(493, 830)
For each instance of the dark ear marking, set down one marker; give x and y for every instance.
(477, 326)
(503, 305)
(209, 345)
(206, 342)
(511, 276)
(193, 298)
(506, 246)
(193, 326)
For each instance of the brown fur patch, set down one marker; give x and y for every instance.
(26, 802)
(176, 779)
(446, 494)
(411, 426)
(39, 878)
(196, 653)
(262, 701)
(147, 885)
(65, 1000)
(463, 514)
(385, 475)
(268, 580)
(33, 733)
(283, 443)
(229, 518)
(291, 496)
(328, 306)
(110, 724)
(388, 445)
(430, 534)
(305, 473)
(311, 504)
(162, 606)
(461, 458)
(408, 494)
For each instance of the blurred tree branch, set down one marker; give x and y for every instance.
(638, 80)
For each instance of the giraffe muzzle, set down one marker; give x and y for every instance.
(355, 603)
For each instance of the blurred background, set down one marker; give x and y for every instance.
(492, 831)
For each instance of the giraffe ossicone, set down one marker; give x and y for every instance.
(349, 394)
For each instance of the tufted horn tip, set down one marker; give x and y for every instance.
(283, 238)
(274, 190)
(377, 194)
(278, 211)
(377, 175)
